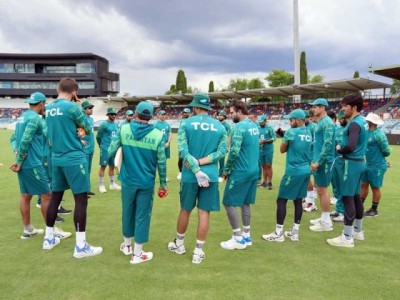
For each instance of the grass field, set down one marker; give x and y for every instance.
(309, 269)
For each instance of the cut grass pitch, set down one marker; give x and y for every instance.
(309, 269)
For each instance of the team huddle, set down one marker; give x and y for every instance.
(55, 154)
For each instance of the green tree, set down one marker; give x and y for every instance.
(181, 84)
(303, 69)
(279, 78)
(211, 87)
(356, 74)
(395, 88)
(316, 79)
(238, 84)
(255, 83)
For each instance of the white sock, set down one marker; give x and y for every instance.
(246, 231)
(49, 233)
(180, 239)
(296, 228)
(279, 229)
(101, 180)
(199, 244)
(137, 250)
(111, 179)
(127, 241)
(326, 217)
(81, 239)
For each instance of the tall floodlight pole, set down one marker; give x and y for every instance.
(296, 98)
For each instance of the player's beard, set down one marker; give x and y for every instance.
(235, 119)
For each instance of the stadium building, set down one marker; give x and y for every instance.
(23, 74)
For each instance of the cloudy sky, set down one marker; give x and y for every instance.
(148, 41)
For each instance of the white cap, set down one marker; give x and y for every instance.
(374, 118)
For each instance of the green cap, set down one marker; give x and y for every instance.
(296, 114)
(161, 113)
(129, 112)
(187, 110)
(87, 104)
(341, 115)
(320, 101)
(144, 108)
(202, 101)
(222, 113)
(262, 119)
(111, 111)
(36, 98)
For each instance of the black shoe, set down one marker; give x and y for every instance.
(91, 193)
(63, 211)
(59, 219)
(371, 213)
(269, 186)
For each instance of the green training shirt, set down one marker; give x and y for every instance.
(324, 145)
(105, 134)
(298, 156)
(377, 149)
(242, 163)
(28, 140)
(201, 136)
(63, 118)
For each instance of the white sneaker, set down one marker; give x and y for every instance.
(102, 189)
(114, 186)
(339, 218)
(273, 237)
(87, 251)
(249, 241)
(311, 207)
(315, 221)
(333, 201)
(321, 226)
(127, 250)
(234, 243)
(220, 179)
(341, 241)
(28, 234)
(144, 256)
(198, 256)
(358, 235)
(293, 236)
(62, 235)
(304, 204)
(173, 247)
(49, 244)
(179, 177)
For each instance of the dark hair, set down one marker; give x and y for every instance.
(143, 117)
(239, 105)
(67, 85)
(353, 100)
(331, 114)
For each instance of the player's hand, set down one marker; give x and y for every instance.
(15, 167)
(162, 192)
(225, 176)
(338, 148)
(84, 143)
(80, 132)
(166, 145)
(314, 167)
(202, 179)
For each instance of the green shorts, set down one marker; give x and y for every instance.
(266, 157)
(239, 193)
(73, 177)
(374, 176)
(293, 187)
(105, 160)
(323, 175)
(137, 205)
(33, 181)
(207, 198)
(350, 182)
